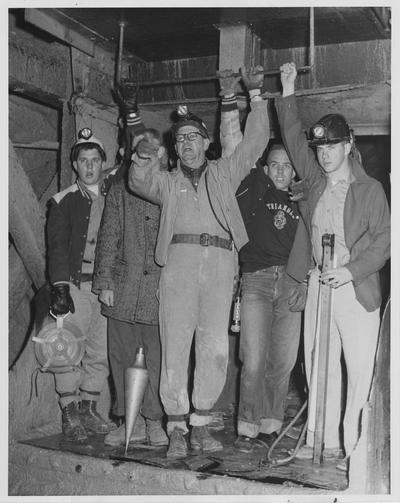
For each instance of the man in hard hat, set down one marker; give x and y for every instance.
(73, 223)
(346, 202)
(200, 227)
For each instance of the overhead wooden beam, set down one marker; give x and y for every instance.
(50, 25)
(31, 91)
(26, 220)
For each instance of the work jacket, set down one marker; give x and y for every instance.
(366, 216)
(224, 177)
(67, 226)
(125, 256)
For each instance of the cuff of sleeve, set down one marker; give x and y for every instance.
(229, 103)
(255, 94)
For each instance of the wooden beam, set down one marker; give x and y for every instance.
(50, 25)
(235, 47)
(26, 220)
(39, 145)
(18, 280)
(30, 91)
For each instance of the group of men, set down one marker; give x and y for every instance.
(158, 249)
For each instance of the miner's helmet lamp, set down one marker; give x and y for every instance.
(186, 118)
(331, 128)
(87, 140)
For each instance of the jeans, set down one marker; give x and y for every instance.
(123, 340)
(269, 342)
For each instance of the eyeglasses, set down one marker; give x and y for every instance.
(192, 136)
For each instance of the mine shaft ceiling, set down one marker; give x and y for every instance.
(155, 34)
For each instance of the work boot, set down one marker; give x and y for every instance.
(91, 419)
(156, 433)
(116, 438)
(201, 439)
(177, 444)
(72, 427)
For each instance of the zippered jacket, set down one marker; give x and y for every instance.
(366, 211)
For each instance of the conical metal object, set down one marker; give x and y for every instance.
(136, 379)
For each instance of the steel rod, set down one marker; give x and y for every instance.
(312, 47)
(207, 78)
(120, 51)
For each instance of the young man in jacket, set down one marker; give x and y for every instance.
(126, 278)
(199, 227)
(346, 202)
(274, 266)
(73, 223)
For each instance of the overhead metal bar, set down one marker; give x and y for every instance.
(208, 78)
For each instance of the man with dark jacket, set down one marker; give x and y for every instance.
(126, 279)
(74, 219)
(274, 266)
(346, 202)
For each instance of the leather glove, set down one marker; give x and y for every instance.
(126, 95)
(253, 78)
(227, 82)
(60, 299)
(298, 297)
(299, 191)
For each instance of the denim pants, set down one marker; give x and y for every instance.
(269, 341)
(124, 339)
(90, 377)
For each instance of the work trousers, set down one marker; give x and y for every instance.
(269, 341)
(123, 340)
(195, 297)
(355, 332)
(86, 381)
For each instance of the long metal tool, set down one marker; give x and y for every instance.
(325, 307)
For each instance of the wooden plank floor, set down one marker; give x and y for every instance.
(229, 461)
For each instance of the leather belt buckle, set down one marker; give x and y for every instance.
(205, 239)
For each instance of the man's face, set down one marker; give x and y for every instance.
(192, 152)
(279, 169)
(89, 166)
(332, 156)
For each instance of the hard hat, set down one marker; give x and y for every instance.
(85, 137)
(331, 128)
(186, 118)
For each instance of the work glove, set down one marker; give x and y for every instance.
(60, 299)
(298, 297)
(299, 191)
(126, 95)
(253, 77)
(227, 82)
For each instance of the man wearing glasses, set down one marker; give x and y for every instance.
(200, 229)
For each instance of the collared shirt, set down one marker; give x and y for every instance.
(328, 219)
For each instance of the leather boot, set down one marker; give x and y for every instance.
(91, 419)
(201, 439)
(72, 427)
(177, 444)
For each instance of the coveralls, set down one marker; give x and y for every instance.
(196, 281)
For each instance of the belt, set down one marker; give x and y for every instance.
(203, 240)
(86, 277)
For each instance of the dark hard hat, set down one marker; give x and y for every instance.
(186, 118)
(331, 128)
